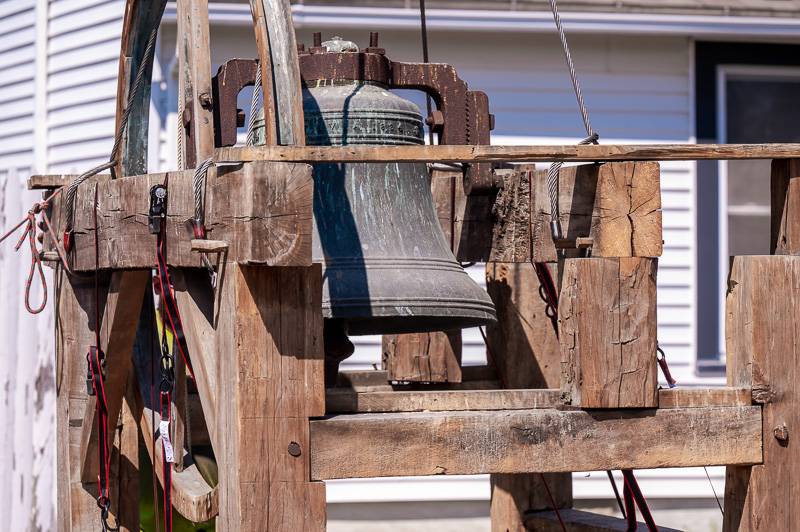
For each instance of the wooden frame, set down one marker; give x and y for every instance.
(255, 339)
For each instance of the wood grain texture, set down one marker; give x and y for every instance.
(514, 495)
(454, 154)
(763, 352)
(523, 343)
(524, 348)
(122, 305)
(76, 498)
(76, 501)
(607, 324)
(473, 378)
(277, 52)
(263, 211)
(270, 381)
(698, 397)
(527, 441)
(423, 357)
(194, 296)
(341, 400)
(785, 196)
(617, 205)
(580, 521)
(194, 78)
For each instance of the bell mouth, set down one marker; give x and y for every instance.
(415, 324)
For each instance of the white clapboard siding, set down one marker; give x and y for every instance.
(83, 54)
(27, 376)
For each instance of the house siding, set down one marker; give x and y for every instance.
(27, 382)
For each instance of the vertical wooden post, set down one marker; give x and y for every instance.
(763, 352)
(435, 356)
(607, 324)
(77, 499)
(785, 194)
(270, 382)
(761, 349)
(525, 351)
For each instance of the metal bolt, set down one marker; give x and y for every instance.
(373, 39)
(294, 449)
(317, 39)
(781, 433)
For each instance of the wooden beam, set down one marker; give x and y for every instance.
(76, 500)
(473, 378)
(262, 211)
(341, 400)
(763, 352)
(616, 205)
(785, 194)
(423, 357)
(120, 315)
(580, 521)
(470, 154)
(523, 346)
(607, 324)
(699, 397)
(270, 382)
(194, 296)
(48, 181)
(528, 441)
(277, 53)
(194, 57)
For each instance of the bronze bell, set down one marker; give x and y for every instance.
(387, 266)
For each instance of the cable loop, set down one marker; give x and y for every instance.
(591, 138)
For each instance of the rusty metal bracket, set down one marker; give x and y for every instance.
(461, 117)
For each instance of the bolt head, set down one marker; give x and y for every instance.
(781, 433)
(294, 449)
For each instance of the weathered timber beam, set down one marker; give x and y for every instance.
(123, 303)
(700, 397)
(473, 378)
(468, 154)
(339, 401)
(374, 398)
(528, 441)
(580, 521)
(262, 210)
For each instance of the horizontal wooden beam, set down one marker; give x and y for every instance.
(487, 154)
(342, 400)
(48, 181)
(261, 211)
(699, 397)
(370, 397)
(528, 441)
(472, 378)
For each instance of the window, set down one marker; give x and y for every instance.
(745, 94)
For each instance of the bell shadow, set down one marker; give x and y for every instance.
(335, 222)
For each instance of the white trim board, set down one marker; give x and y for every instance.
(524, 21)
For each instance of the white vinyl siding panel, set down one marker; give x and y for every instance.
(27, 377)
(83, 55)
